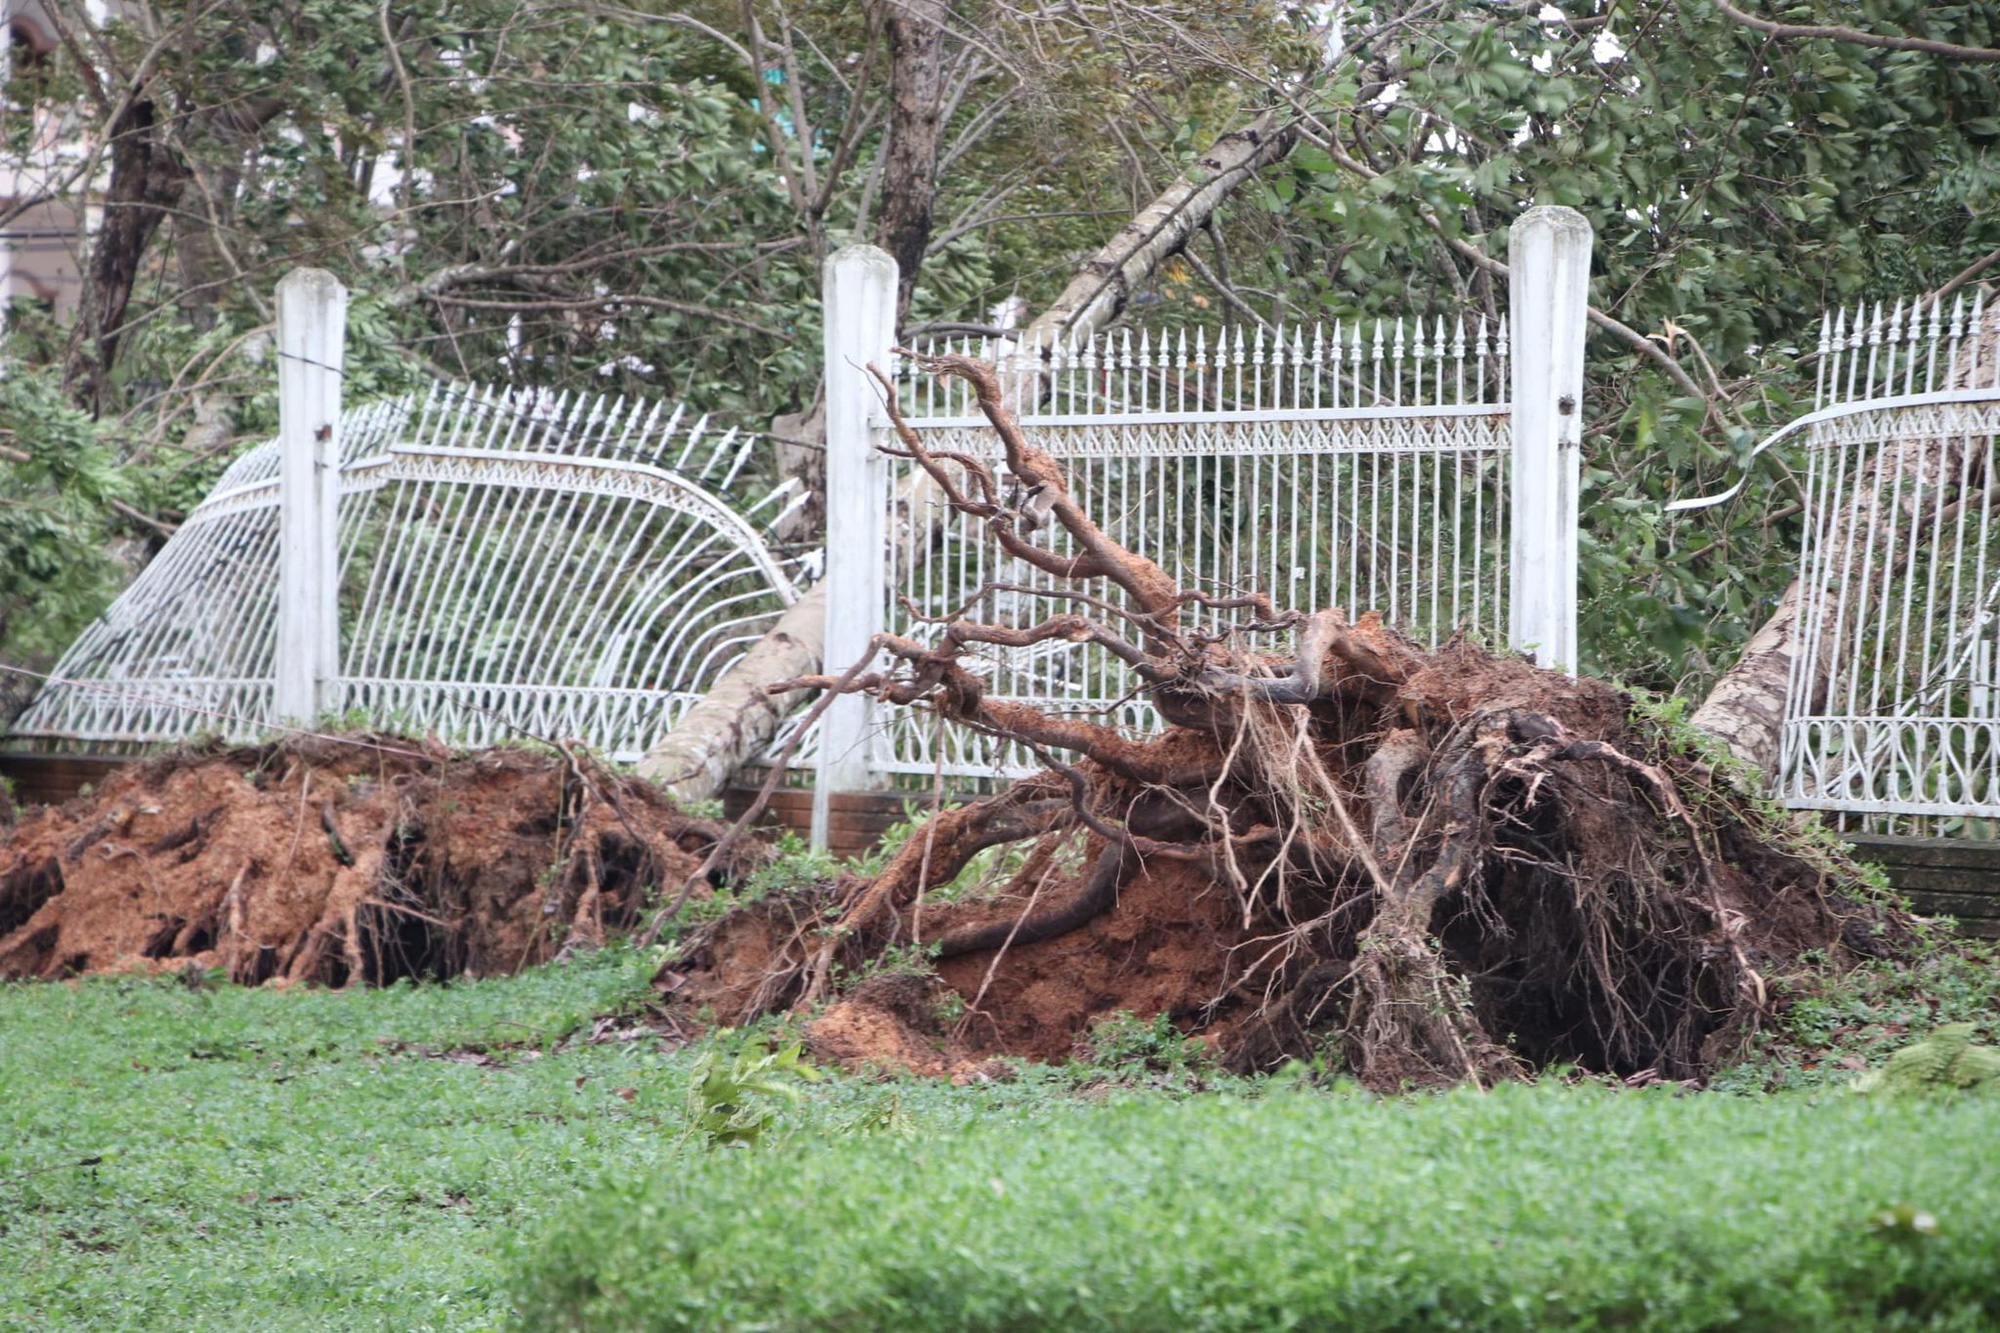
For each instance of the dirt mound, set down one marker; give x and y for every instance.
(339, 860)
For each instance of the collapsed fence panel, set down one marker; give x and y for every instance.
(510, 564)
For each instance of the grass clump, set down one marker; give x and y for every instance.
(1945, 1062)
(1526, 1208)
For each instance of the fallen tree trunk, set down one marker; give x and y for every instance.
(1105, 285)
(739, 717)
(1440, 867)
(724, 732)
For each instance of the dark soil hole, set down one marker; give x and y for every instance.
(401, 939)
(25, 889)
(1564, 982)
(181, 837)
(196, 937)
(161, 945)
(262, 967)
(628, 871)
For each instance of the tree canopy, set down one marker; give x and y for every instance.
(637, 196)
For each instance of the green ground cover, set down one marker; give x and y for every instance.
(1525, 1208)
(464, 1156)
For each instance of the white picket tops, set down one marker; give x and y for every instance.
(1893, 706)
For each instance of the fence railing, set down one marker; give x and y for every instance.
(484, 564)
(1375, 465)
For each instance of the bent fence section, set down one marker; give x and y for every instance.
(1893, 705)
(510, 564)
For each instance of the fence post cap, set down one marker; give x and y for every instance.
(866, 256)
(311, 280)
(1554, 217)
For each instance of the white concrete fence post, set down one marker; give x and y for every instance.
(859, 305)
(312, 340)
(1548, 261)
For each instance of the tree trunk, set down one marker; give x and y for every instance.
(725, 732)
(149, 180)
(1102, 288)
(1746, 707)
(146, 181)
(916, 105)
(737, 718)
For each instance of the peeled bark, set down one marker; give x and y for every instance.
(1747, 706)
(722, 731)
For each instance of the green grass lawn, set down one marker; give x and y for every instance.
(222, 1158)
(265, 1159)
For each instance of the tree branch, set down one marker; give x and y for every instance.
(1856, 37)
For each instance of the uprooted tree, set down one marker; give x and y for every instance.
(1447, 866)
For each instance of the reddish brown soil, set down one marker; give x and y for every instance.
(333, 862)
(1164, 949)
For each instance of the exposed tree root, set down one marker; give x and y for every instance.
(323, 862)
(1438, 867)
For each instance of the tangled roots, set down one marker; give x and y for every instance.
(338, 861)
(1466, 871)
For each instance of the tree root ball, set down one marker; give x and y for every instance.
(340, 860)
(1443, 868)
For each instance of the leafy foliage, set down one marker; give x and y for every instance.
(1123, 1039)
(728, 1101)
(1825, 1031)
(55, 570)
(1737, 185)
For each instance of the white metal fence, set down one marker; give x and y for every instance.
(1893, 705)
(502, 563)
(1376, 465)
(1357, 465)
(482, 564)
